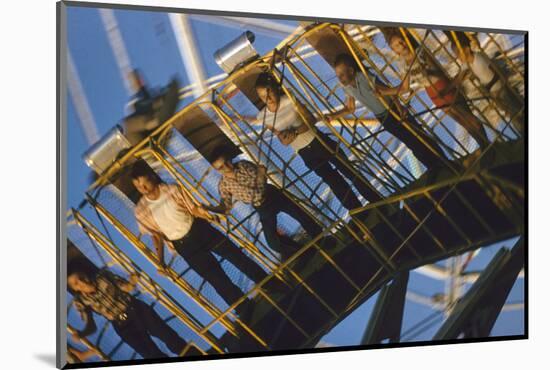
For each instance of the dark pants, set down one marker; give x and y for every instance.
(197, 248)
(143, 321)
(274, 203)
(416, 140)
(326, 165)
(507, 100)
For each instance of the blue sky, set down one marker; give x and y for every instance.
(152, 48)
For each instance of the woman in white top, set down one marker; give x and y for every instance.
(478, 64)
(283, 118)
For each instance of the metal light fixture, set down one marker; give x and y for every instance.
(236, 53)
(105, 151)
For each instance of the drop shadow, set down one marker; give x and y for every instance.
(47, 358)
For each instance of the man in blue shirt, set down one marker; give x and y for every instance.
(408, 130)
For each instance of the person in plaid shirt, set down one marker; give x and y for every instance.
(133, 320)
(246, 182)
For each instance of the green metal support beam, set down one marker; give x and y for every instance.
(387, 316)
(475, 314)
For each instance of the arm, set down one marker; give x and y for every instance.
(262, 174)
(81, 355)
(301, 129)
(456, 81)
(88, 317)
(396, 90)
(202, 212)
(185, 200)
(221, 208)
(147, 227)
(288, 136)
(226, 201)
(283, 136)
(255, 171)
(349, 108)
(130, 285)
(253, 120)
(158, 243)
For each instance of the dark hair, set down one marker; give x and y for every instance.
(391, 32)
(461, 37)
(220, 152)
(141, 169)
(82, 275)
(268, 81)
(346, 59)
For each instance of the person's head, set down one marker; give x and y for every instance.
(268, 89)
(345, 68)
(144, 179)
(396, 41)
(222, 161)
(135, 80)
(399, 45)
(464, 42)
(80, 282)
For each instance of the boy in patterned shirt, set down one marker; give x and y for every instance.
(247, 182)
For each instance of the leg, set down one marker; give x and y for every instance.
(342, 164)
(233, 254)
(316, 158)
(282, 203)
(250, 268)
(462, 114)
(133, 332)
(288, 247)
(268, 218)
(424, 148)
(220, 244)
(370, 194)
(206, 265)
(273, 205)
(156, 326)
(507, 100)
(197, 252)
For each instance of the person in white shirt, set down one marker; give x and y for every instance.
(281, 116)
(478, 64)
(169, 215)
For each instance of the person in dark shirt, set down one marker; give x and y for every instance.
(133, 320)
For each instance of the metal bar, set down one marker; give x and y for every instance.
(85, 116)
(146, 282)
(262, 26)
(117, 46)
(387, 316)
(470, 316)
(190, 55)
